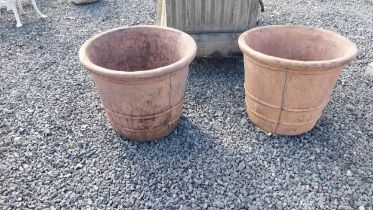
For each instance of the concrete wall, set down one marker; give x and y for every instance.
(214, 24)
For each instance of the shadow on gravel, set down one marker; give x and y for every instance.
(186, 141)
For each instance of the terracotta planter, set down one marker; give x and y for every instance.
(141, 75)
(290, 73)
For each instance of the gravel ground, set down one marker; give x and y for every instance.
(57, 149)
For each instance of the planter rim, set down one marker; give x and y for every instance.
(298, 64)
(184, 61)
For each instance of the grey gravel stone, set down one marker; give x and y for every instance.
(219, 204)
(83, 1)
(253, 207)
(241, 166)
(52, 122)
(78, 166)
(369, 69)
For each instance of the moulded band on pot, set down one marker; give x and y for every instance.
(141, 74)
(290, 73)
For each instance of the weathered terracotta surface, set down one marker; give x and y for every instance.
(290, 73)
(141, 74)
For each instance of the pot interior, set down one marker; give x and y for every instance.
(298, 43)
(137, 48)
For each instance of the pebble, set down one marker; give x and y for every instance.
(369, 70)
(78, 166)
(241, 166)
(219, 204)
(83, 1)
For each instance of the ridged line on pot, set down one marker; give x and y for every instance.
(290, 72)
(141, 75)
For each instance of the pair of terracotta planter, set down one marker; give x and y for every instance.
(141, 75)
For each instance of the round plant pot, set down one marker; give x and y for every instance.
(290, 73)
(141, 75)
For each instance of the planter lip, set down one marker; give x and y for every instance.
(298, 64)
(139, 74)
